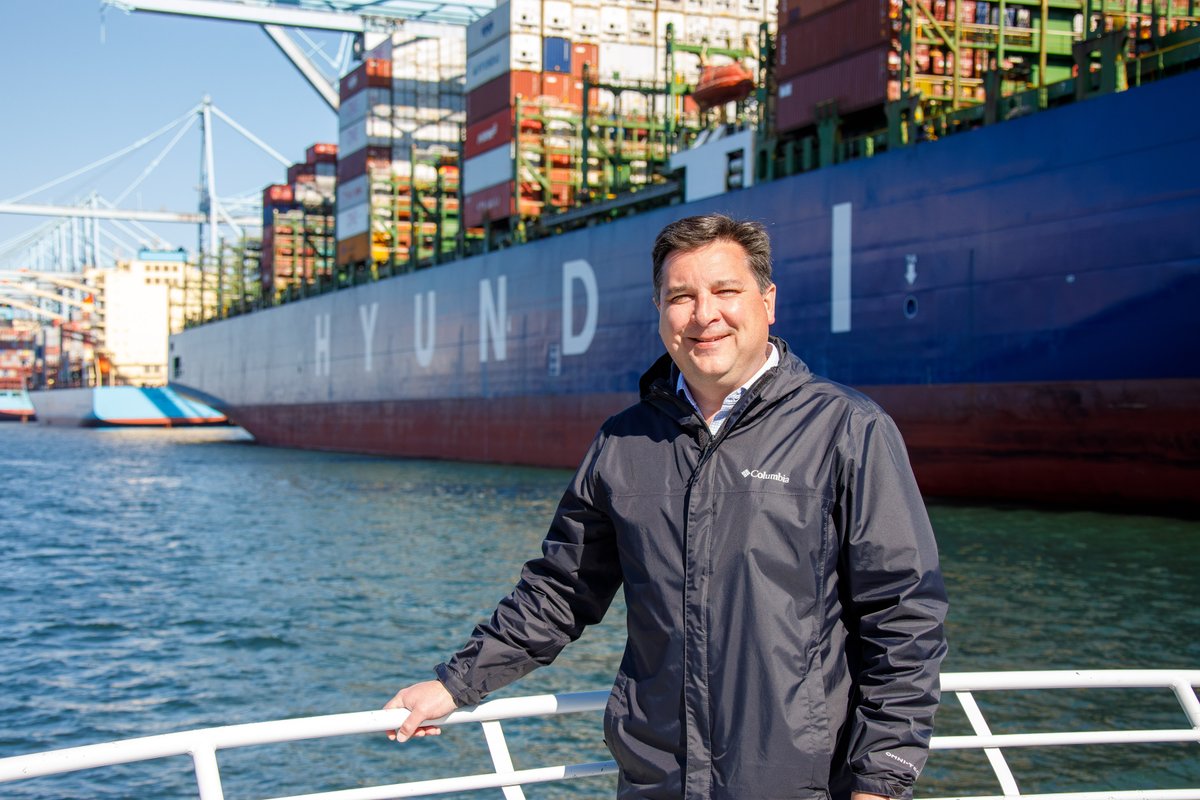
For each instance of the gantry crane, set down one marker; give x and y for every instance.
(424, 17)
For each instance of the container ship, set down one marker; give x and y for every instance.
(983, 215)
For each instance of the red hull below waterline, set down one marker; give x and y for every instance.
(1112, 444)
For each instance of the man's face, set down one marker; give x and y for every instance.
(712, 317)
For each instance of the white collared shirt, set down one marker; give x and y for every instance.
(731, 399)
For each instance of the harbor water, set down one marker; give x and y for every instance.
(154, 581)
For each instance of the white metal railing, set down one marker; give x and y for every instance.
(202, 745)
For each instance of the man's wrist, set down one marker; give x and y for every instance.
(863, 787)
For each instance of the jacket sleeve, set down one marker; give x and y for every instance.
(895, 606)
(570, 587)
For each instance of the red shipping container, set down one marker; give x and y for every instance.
(792, 11)
(278, 194)
(372, 72)
(296, 170)
(842, 31)
(858, 82)
(358, 162)
(585, 54)
(496, 204)
(500, 92)
(490, 132)
(321, 153)
(563, 88)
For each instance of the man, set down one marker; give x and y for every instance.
(784, 601)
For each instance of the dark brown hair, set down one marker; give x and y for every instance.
(692, 233)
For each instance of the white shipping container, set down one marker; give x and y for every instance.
(352, 221)
(628, 104)
(352, 138)
(723, 32)
(425, 173)
(686, 65)
(427, 60)
(376, 132)
(557, 18)
(373, 131)
(354, 192)
(641, 27)
(519, 51)
(515, 16)
(748, 31)
(487, 169)
(724, 8)
(751, 9)
(696, 29)
(586, 24)
(664, 18)
(614, 23)
(697, 7)
(311, 194)
(628, 62)
(372, 100)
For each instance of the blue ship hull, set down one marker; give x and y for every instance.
(121, 406)
(1020, 298)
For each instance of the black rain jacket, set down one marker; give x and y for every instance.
(785, 605)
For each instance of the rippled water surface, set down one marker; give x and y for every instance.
(153, 581)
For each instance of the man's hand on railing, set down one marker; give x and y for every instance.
(424, 701)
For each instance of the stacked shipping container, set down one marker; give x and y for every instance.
(527, 58)
(297, 241)
(400, 125)
(864, 53)
(847, 51)
(17, 350)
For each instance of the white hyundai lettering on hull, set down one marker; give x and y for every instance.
(324, 342)
(493, 319)
(839, 299)
(576, 344)
(366, 315)
(424, 311)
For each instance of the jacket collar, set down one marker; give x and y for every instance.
(784, 379)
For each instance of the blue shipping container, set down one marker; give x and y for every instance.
(556, 55)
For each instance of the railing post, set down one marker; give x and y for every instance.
(1008, 784)
(208, 774)
(501, 759)
(1187, 698)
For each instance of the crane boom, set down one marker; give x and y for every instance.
(430, 16)
(37, 210)
(292, 17)
(32, 309)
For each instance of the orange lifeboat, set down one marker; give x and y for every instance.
(721, 84)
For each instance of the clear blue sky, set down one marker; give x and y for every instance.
(68, 99)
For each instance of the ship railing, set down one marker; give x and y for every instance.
(202, 745)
